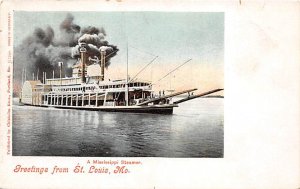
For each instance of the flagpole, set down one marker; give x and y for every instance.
(126, 88)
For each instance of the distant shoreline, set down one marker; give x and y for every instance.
(213, 96)
(208, 96)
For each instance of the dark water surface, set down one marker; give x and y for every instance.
(194, 130)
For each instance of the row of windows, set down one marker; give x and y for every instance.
(76, 89)
(138, 84)
(123, 85)
(103, 87)
(111, 86)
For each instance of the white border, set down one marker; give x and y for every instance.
(262, 106)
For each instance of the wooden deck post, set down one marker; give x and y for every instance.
(96, 99)
(104, 102)
(82, 100)
(76, 99)
(61, 100)
(71, 99)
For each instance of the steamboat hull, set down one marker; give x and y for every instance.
(158, 109)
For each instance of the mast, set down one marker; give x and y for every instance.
(126, 50)
(126, 88)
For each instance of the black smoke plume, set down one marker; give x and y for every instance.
(42, 50)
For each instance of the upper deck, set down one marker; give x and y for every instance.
(74, 85)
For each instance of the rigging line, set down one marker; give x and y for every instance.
(142, 51)
(120, 92)
(171, 71)
(143, 69)
(111, 53)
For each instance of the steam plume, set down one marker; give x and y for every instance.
(42, 50)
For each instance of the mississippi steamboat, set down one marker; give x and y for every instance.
(87, 90)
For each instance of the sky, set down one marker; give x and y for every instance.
(172, 36)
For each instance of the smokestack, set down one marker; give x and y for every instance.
(83, 60)
(102, 53)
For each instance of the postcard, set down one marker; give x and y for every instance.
(159, 94)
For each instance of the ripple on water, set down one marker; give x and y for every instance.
(194, 130)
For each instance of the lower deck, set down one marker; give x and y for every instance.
(86, 99)
(154, 109)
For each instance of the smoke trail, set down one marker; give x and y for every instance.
(95, 41)
(42, 50)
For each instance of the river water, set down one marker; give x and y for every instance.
(195, 129)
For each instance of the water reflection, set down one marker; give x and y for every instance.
(194, 130)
